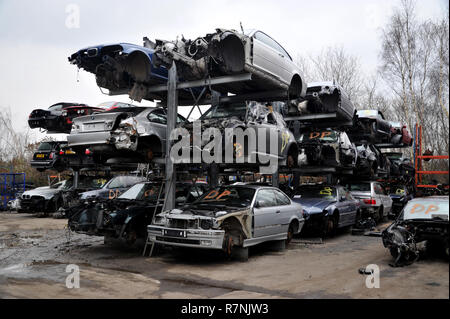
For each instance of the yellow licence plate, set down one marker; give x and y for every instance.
(40, 155)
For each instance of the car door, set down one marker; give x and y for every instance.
(286, 212)
(343, 206)
(353, 207)
(266, 57)
(265, 213)
(387, 200)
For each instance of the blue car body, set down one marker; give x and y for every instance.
(125, 68)
(318, 210)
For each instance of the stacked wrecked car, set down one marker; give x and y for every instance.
(251, 84)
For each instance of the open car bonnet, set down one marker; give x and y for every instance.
(428, 210)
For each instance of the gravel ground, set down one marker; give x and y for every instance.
(34, 254)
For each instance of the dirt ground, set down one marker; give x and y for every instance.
(34, 253)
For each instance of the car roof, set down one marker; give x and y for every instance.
(431, 199)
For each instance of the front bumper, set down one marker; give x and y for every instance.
(195, 238)
(34, 204)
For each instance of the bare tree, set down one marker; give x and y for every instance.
(334, 64)
(414, 66)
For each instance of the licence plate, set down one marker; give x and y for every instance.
(174, 233)
(93, 126)
(40, 155)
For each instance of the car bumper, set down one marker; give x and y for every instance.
(89, 139)
(195, 238)
(42, 164)
(36, 204)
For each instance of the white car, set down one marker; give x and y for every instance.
(373, 198)
(231, 52)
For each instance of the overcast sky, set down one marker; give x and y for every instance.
(36, 37)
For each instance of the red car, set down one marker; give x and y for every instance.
(400, 134)
(58, 118)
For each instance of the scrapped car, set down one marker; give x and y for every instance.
(400, 195)
(230, 218)
(400, 135)
(326, 148)
(422, 220)
(71, 192)
(127, 216)
(125, 68)
(138, 133)
(371, 126)
(48, 156)
(375, 202)
(367, 164)
(230, 118)
(401, 167)
(113, 188)
(323, 100)
(326, 207)
(58, 118)
(46, 199)
(228, 52)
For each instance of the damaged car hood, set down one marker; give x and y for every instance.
(313, 205)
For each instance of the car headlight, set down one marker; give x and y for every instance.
(206, 223)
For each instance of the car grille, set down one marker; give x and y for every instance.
(182, 223)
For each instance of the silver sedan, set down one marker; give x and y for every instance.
(230, 218)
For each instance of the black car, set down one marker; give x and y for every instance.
(127, 216)
(48, 156)
(371, 126)
(401, 166)
(58, 118)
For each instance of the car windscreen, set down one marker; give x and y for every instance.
(426, 209)
(56, 107)
(227, 197)
(124, 181)
(323, 136)
(359, 187)
(326, 192)
(142, 191)
(45, 146)
(367, 113)
(225, 111)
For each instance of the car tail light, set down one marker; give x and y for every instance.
(61, 152)
(69, 121)
(51, 155)
(370, 201)
(87, 152)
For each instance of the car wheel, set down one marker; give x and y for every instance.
(332, 225)
(295, 88)
(234, 252)
(379, 215)
(290, 161)
(290, 233)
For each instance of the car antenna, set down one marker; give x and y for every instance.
(242, 29)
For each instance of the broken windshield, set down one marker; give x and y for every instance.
(326, 192)
(227, 197)
(323, 136)
(225, 111)
(143, 191)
